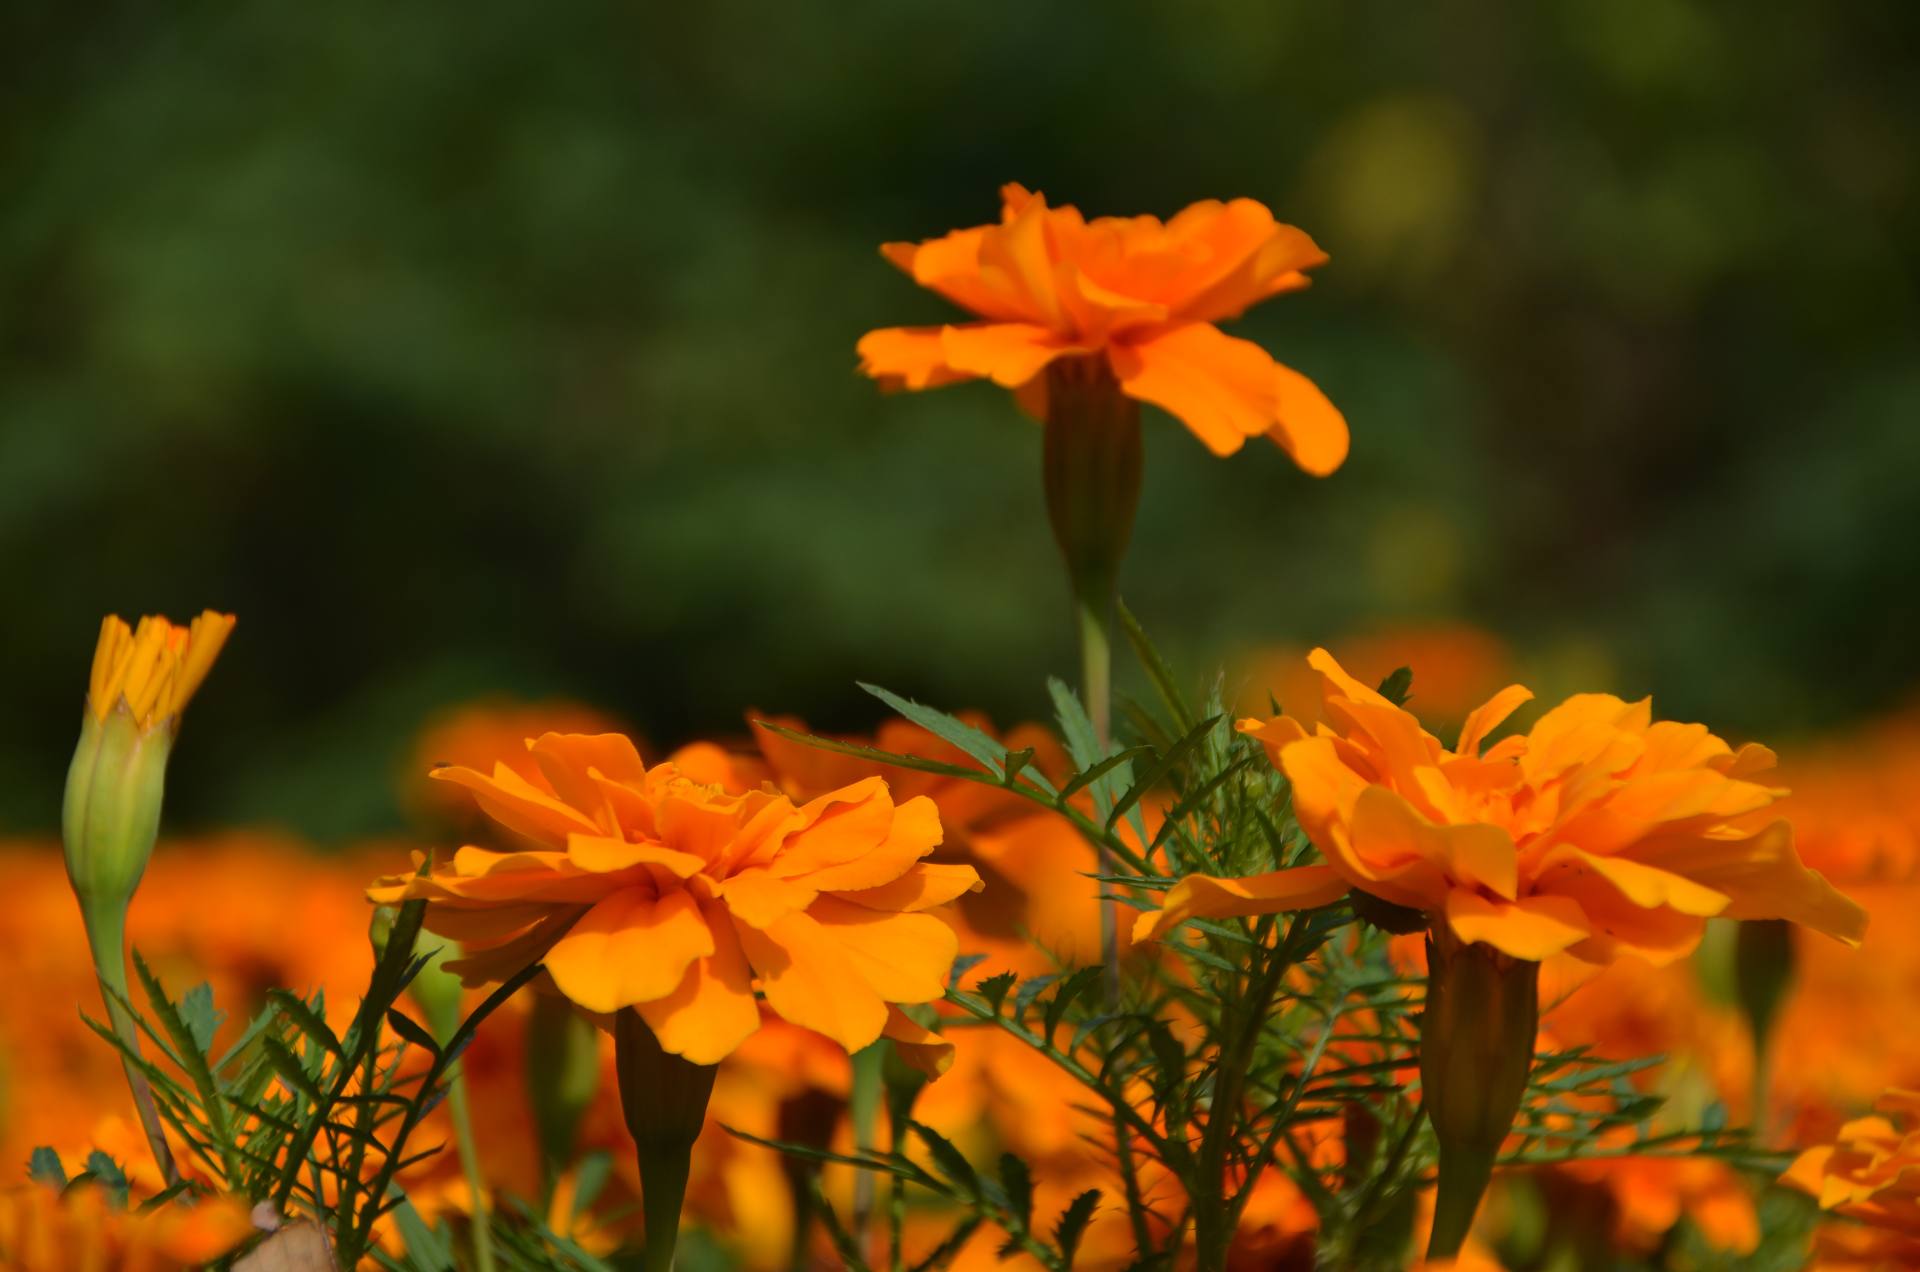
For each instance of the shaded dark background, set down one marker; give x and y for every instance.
(510, 349)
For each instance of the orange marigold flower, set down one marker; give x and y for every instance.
(645, 888)
(153, 669)
(44, 1230)
(1872, 1171)
(1141, 295)
(1598, 831)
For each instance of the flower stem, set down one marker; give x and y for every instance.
(470, 1166)
(664, 1100)
(106, 937)
(1096, 685)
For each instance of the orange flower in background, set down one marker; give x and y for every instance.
(153, 670)
(482, 733)
(1136, 293)
(1871, 1174)
(644, 888)
(1460, 666)
(1599, 831)
(42, 1230)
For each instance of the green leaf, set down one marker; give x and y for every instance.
(994, 989)
(951, 1161)
(1018, 1184)
(1171, 759)
(307, 1020)
(941, 1254)
(202, 1017)
(1073, 1224)
(108, 1174)
(43, 1167)
(1071, 988)
(1398, 687)
(981, 746)
(1156, 667)
(412, 1030)
(1088, 776)
(288, 1066)
(1017, 762)
(962, 965)
(428, 1249)
(1084, 748)
(1031, 989)
(893, 759)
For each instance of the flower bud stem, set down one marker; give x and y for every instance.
(106, 937)
(664, 1099)
(1476, 1053)
(1091, 465)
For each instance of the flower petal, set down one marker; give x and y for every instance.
(1208, 897)
(630, 948)
(1222, 388)
(712, 1010)
(905, 958)
(519, 805)
(1306, 425)
(1531, 928)
(1008, 353)
(922, 887)
(907, 358)
(810, 980)
(916, 1044)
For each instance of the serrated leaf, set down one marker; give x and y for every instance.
(1070, 989)
(994, 989)
(1017, 1182)
(991, 753)
(1030, 989)
(1169, 760)
(428, 1249)
(202, 1017)
(1398, 686)
(962, 965)
(1155, 666)
(1017, 762)
(43, 1167)
(308, 1021)
(950, 1160)
(288, 1066)
(1073, 1224)
(104, 1170)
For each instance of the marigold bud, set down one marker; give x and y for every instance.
(1092, 472)
(1476, 1051)
(142, 679)
(663, 1098)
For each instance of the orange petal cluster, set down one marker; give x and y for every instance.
(1143, 294)
(645, 888)
(153, 669)
(1871, 1172)
(1599, 831)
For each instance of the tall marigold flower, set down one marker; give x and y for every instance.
(1597, 832)
(1135, 299)
(1086, 319)
(142, 680)
(663, 901)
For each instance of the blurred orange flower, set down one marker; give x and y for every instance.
(644, 888)
(43, 1230)
(480, 734)
(1141, 295)
(1597, 832)
(1871, 1173)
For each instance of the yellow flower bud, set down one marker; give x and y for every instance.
(142, 680)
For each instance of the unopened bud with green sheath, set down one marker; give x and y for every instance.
(1476, 1052)
(663, 1098)
(142, 680)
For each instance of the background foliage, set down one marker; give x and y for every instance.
(516, 352)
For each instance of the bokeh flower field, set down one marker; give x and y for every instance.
(1261, 639)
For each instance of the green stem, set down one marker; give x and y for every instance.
(663, 1191)
(1212, 1233)
(1094, 604)
(106, 937)
(1464, 1174)
(470, 1165)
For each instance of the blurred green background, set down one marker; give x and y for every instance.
(511, 349)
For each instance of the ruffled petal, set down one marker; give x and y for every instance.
(630, 948)
(712, 1010)
(1306, 425)
(907, 358)
(810, 980)
(1532, 928)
